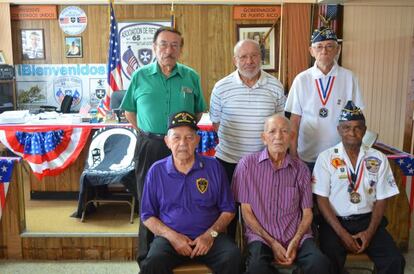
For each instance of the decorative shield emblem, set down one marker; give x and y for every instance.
(73, 19)
(145, 56)
(373, 164)
(100, 93)
(202, 185)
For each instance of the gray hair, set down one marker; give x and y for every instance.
(276, 116)
(170, 131)
(241, 42)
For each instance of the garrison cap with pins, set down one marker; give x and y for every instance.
(351, 113)
(182, 118)
(324, 33)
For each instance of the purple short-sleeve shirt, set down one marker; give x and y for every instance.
(187, 203)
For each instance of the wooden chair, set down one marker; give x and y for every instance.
(192, 268)
(360, 262)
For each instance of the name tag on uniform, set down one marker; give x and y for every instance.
(186, 90)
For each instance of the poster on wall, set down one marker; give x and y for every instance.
(73, 20)
(135, 40)
(47, 84)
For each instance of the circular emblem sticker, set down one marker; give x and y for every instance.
(72, 20)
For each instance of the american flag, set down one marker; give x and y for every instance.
(329, 12)
(131, 60)
(64, 20)
(6, 169)
(114, 64)
(405, 162)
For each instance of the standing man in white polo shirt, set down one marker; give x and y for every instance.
(239, 105)
(317, 97)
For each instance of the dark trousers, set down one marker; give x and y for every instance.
(309, 258)
(229, 168)
(147, 151)
(382, 249)
(224, 257)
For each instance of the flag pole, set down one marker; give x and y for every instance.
(172, 14)
(270, 30)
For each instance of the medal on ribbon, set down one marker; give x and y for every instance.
(354, 180)
(324, 93)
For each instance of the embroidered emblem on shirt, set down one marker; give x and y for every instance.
(337, 162)
(391, 181)
(373, 164)
(186, 90)
(202, 185)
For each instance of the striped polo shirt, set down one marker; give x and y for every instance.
(277, 196)
(241, 112)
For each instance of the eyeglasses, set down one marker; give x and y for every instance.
(245, 57)
(328, 47)
(165, 45)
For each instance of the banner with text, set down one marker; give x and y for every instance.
(47, 84)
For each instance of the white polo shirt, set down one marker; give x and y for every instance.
(241, 112)
(318, 133)
(330, 179)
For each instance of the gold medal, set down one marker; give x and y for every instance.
(355, 197)
(370, 190)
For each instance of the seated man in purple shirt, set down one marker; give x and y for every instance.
(275, 193)
(187, 204)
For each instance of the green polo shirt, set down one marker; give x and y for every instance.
(154, 97)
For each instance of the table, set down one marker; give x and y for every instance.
(69, 161)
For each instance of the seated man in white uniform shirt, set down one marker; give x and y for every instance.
(317, 97)
(352, 183)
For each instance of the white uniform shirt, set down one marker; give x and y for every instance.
(241, 112)
(318, 133)
(330, 179)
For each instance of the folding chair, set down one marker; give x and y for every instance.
(108, 176)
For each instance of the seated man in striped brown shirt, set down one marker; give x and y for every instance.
(275, 193)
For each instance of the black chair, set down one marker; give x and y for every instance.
(108, 176)
(64, 106)
(115, 103)
(116, 99)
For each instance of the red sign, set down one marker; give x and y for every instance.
(33, 12)
(256, 12)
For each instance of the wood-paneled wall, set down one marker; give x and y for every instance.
(209, 36)
(377, 46)
(209, 32)
(5, 32)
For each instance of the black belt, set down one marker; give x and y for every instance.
(152, 135)
(356, 217)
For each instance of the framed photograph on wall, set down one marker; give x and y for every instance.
(269, 42)
(32, 44)
(73, 46)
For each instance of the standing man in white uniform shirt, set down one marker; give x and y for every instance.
(317, 97)
(239, 105)
(352, 183)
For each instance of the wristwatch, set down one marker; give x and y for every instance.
(213, 234)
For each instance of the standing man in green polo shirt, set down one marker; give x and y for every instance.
(156, 91)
